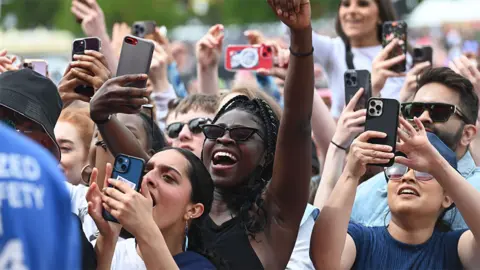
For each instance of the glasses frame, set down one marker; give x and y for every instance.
(407, 169)
(428, 106)
(207, 120)
(225, 129)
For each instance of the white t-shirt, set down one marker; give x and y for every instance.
(80, 208)
(330, 53)
(126, 256)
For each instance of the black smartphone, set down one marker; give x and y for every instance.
(382, 115)
(142, 29)
(79, 46)
(354, 80)
(391, 30)
(129, 170)
(422, 54)
(135, 58)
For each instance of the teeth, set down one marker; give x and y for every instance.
(224, 154)
(408, 191)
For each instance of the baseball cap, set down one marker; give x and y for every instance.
(34, 96)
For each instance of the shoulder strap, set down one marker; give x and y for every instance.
(349, 56)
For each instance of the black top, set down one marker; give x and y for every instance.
(231, 243)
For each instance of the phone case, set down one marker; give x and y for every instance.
(143, 28)
(382, 115)
(422, 54)
(248, 57)
(135, 58)
(396, 29)
(38, 65)
(128, 170)
(79, 46)
(354, 80)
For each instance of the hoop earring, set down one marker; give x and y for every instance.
(185, 245)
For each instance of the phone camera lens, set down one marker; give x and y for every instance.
(373, 103)
(378, 107)
(123, 167)
(372, 111)
(121, 160)
(269, 49)
(354, 79)
(349, 83)
(347, 75)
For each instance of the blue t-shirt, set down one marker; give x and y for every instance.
(192, 261)
(37, 230)
(377, 249)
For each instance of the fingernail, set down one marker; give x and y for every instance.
(104, 189)
(111, 181)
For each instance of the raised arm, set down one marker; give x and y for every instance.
(422, 156)
(287, 194)
(331, 247)
(348, 127)
(113, 97)
(208, 51)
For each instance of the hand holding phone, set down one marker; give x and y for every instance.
(248, 57)
(144, 29)
(382, 116)
(78, 47)
(354, 80)
(129, 170)
(38, 65)
(135, 58)
(398, 30)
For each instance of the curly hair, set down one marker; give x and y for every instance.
(248, 201)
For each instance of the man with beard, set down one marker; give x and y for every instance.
(447, 106)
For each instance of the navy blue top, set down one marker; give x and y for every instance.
(377, 249)
(192, 261)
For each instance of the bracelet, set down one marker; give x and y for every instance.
(339, 146)
(301, 54)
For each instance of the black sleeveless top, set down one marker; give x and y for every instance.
(231, 243)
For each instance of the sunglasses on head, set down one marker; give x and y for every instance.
(439, 112)
(195, 126)
(397, 171)
(214, 132)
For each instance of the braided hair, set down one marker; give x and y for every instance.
(248, 201)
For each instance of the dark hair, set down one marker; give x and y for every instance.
(202, 192)
(249, 196)
(446, 76)
(386, 13)
(155, 138)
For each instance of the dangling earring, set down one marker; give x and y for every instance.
(185, 245)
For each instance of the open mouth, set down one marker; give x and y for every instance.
(408, 191)
(154, 202)
(224, 159)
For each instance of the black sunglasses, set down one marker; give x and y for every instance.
(195, 126)
(214, 132)
(439, 112)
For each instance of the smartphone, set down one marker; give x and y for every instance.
(78, 47)
(382, 115)
(38, 65)
(248, 57)
(143, 29)
(129, 170)
(354, 80)
(422, 54)
(391, 30)
(135, 58)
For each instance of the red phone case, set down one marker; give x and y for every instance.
(248, 57)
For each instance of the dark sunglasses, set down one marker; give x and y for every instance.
(439, 112)
(397, 171)
(214, 132)
(15, 120)
(195, 126)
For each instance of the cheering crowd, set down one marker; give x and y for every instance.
(146, 173)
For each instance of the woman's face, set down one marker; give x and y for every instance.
(135, 124)
(186, 138)
(230, 162)
(74, 154)
(170, 189)
(408, 195)
(359, 18)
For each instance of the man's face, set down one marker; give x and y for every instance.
(451, 131)
(26, 126)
